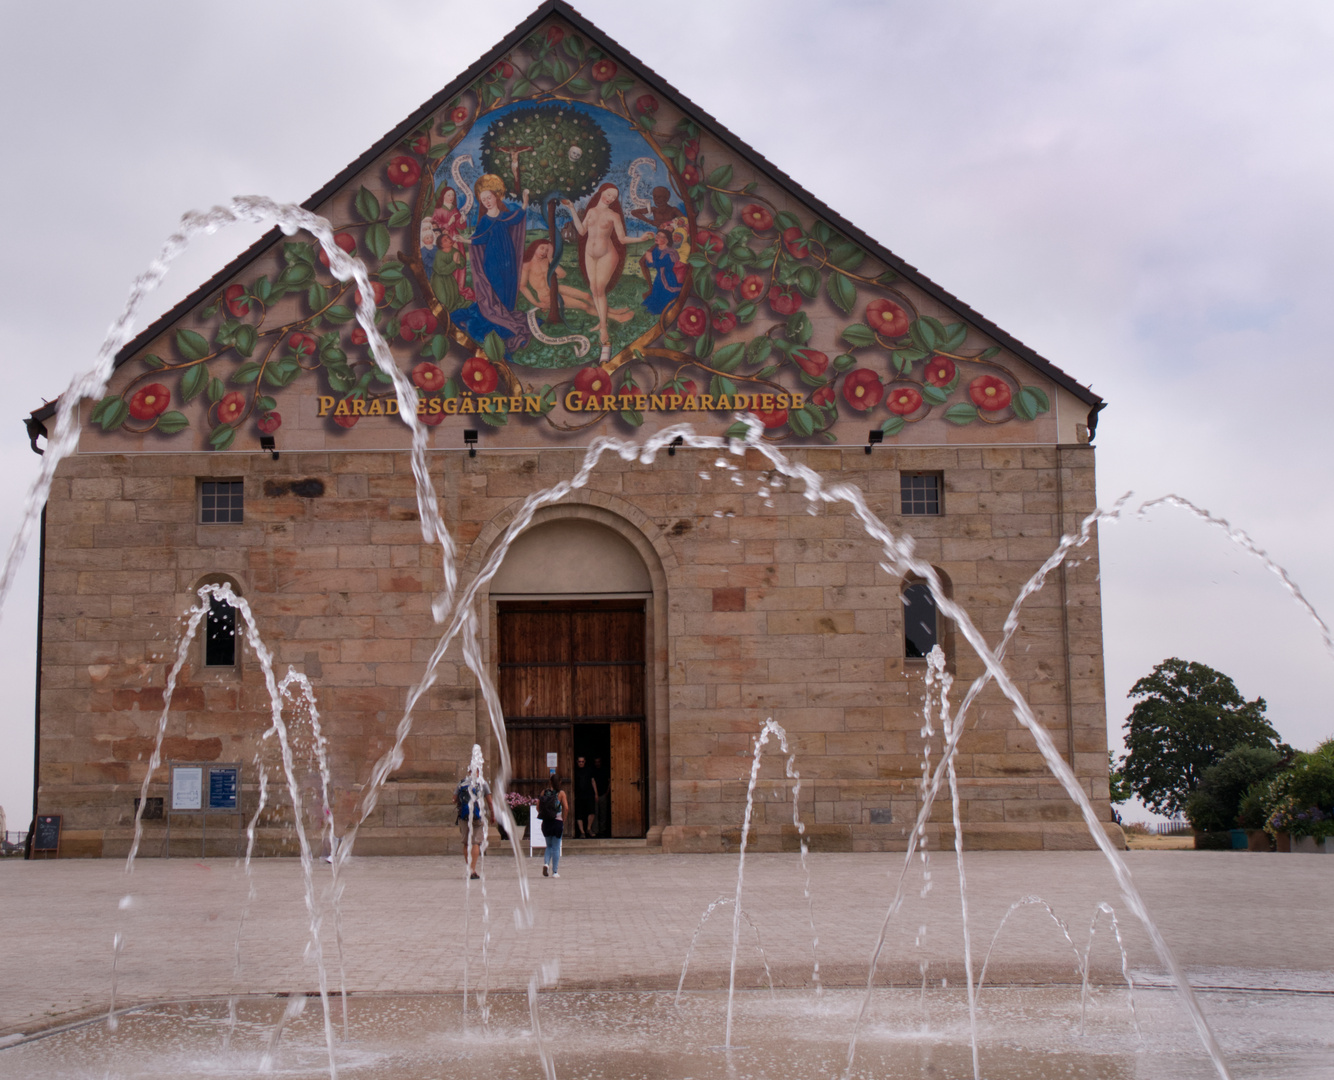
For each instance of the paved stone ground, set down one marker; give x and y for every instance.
(625, 920)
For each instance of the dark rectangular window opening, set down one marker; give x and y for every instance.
(920, 632)
(221, 502)
(920, 493)
(220, 634)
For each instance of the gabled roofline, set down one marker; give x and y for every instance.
(738, 146)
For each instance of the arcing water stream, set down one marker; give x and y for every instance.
(456, 610)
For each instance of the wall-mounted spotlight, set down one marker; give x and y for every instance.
(267, 442)
(671, 446)
(874, 437)
(470, 441)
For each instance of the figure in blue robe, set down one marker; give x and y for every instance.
(495, 256)
(667, 283)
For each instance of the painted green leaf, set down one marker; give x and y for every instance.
(1024, 405)
(934, 395)
(704, 346)
(704, 286)
(296, 275)
(368, 206)
(401, 216)
(193, 381)
(844, 362)
(574, 47)
(390, 271)
(171, 422)
(721, 176)
(745, 312)
(282, 373)
(720, 384)
(857, 335)
(808, 281)
(729, 357)
(722, 205)
(340, 313)
(317, 296)
(759, 350)
(822, 233)
(436, 347)
(265, 403)
(494, 419)
(332, 353)
(382, 376)
(801, 422)
(494, 348)
(402, 293)
(786, 219)
(961, 414)
(298, 252)
(216, 389)
(111, 412)
(191, 345)
(811, 380)
(841, 291)
(439, 150)
(923, 335)
(1041, 402)
(987, 354)
(153, 361)
(799, 328)
(377, 239)
(446, 128)
(954, 336)
(579, 87)
(521, 87)
(739, 430)
(450, 389)
(893, 425)
(246, 373)
(222, 437)
(263, 290)
(340, 379)
(246, 339)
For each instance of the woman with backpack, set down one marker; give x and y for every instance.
(552, 809)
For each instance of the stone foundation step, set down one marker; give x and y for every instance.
(606, 845)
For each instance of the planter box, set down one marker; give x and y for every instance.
(1309, 845)
(1258, 840)
(1283, 842)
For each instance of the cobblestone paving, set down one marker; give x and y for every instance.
(625, 920)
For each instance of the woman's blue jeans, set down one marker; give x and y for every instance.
(552, 854)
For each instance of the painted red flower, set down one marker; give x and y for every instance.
(603, 70)
(301, 344)
(459, 114)
(691, 175)
(903, 400)
(989, 393)
(404, 171)
(348, 420)
(344, 240)
(421, 144)
(810, 361)
(691, 149)
(270, 422)
(688, 388)
(231, 407)
(646, 103)
(784, 301)
(238, 304)
(479, 375)
(724, 322)
(752, 287)
(416, 325)
(430, 419)
(795, 242)
(693, 321)
(773, 419)
(726, 281)
(503, 70)
(862, 389)
(428, 377)
(593, 380)
(940, 371)
(823, 396)
(887, 318)
(377, 290)
(150, 401)
(708, 242)
(555, 35)
(757, 217)
(358, 336)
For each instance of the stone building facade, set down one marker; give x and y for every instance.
(654, 616)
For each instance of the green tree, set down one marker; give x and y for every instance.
(1213, 806)
(1119, 789)
(556, 152)
(1185, 718)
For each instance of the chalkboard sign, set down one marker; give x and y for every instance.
(222, 783)
(47, 835)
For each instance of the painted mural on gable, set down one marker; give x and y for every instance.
(557, 253)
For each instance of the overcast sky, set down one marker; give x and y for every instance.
(1139, 191)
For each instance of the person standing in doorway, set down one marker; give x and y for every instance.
(472, 794)
(553, 808)
(602, 775)
(585, 799)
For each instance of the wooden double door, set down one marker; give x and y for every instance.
(572, 682)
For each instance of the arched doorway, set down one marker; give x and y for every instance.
(571, 604)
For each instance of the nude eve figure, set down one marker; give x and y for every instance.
(602, 244)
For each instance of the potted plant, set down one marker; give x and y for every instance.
(519, 805)
(1300, 803)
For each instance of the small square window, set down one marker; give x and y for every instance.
(920, 493)
(220, 634)
(221, 502)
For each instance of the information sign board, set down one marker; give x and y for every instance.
(47, 835)
(222, 785)
(187, 787)
(551, 761)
